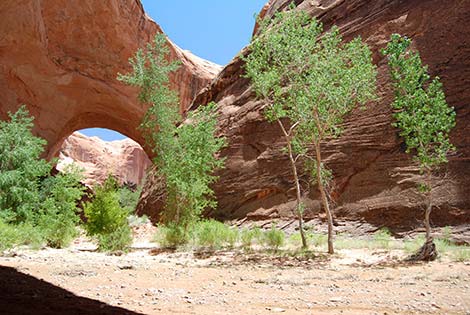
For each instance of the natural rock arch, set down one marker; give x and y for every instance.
(61, 59)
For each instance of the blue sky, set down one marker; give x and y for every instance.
(215, 30)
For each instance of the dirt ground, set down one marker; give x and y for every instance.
(78, 280)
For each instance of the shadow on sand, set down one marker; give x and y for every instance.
(24, 294)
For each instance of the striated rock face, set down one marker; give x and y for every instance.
(123, 158)
(61, 58)
(374, 179)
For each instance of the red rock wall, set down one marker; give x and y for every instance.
(61, 59)
(124, 159)
(374, 179)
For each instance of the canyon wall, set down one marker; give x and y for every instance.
(375, 180)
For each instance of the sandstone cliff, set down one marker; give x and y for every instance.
(374, 178)
(123, 158)
(61, 59)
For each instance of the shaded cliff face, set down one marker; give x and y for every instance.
(61, 58)
(374, 179)
(125, 159)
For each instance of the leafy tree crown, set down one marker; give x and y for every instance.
(421, 111)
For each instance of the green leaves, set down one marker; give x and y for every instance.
(31, 200)
(20, 167)
(309, 76)
(185, 155)
(422, 114)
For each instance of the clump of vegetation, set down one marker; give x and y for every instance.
(12, 235)
(274, 238)
(57, 217)
(35, 207)
(185, 154)
(106, 219)
(310, 80)
(382, 238)
(462, 254)
(250, 236)
(171, 235)
(211, 233)
(129, 197)
(424, 120)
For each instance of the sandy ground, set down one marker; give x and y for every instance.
(79, 281)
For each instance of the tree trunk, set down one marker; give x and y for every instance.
(297, 186)
(427, 214)
(324, 199)
(428, 251)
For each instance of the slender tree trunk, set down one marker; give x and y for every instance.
(427, 214)
(428, 251)
(297, 186)
(324, 199)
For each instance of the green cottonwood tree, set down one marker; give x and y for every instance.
(310, 81)
(21, 167)
(29, 197)
(424, 119)
(185, 154)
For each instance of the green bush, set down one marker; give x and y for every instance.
(21, 167)
(171, 236)
(117, 240)
(382, 238)
(274, 238)
(318, 240)
(36, 206)
(231, 236)
(462, 253)
(106, 219)
(12, 235)
(135, 220)
(250, 236)
(412, 246)
(57, 217)
(212, 234)
(129, 197)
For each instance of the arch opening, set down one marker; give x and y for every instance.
(101, 152)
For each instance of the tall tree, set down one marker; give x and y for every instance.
(424, 120)
(310, 80)
(185, 151)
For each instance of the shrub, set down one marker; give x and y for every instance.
(57, 217)
(117, 240)
(382, 238)
(213, 234)
(411, 246)
(462, 253)
(274, 238)
(12, 235)
(41, 207)
(231, 236)
(171, 236)
(248, 237)
(318, 240)
(106, 219)
(129, 197)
